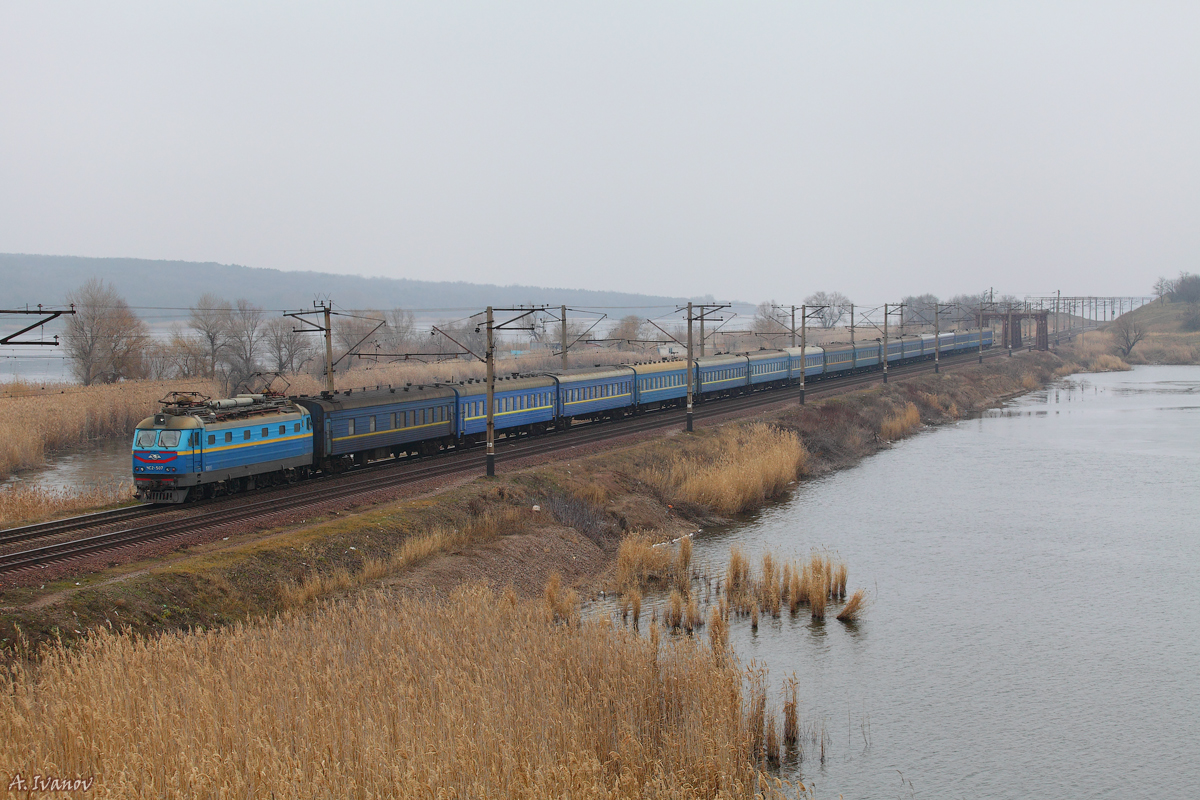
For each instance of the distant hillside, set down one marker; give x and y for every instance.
(33, 279)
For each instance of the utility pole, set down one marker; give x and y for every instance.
(937, 339)
(690, 367)
(1009, 330)
(793, 326)
(564, 337)
(885, 341)
(853, 348)
(328, 351)
(490, 356)
(803, 348)
(325, 308)
(702, 310)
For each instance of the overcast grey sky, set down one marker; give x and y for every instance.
(747, 150)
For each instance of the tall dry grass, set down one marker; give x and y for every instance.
(477, 696)
(733, 470)
(21, 504)
(901, 423)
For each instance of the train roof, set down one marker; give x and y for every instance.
(505, 384)
(654, 367)
(594, 373)
(360, 398)
(718, 360)
(796, 352)
(764, 355)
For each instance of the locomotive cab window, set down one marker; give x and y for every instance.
(168, 439)
(145, 438)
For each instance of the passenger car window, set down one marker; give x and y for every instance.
(168, 439)
(350, 429)
(145, 438)
(371, 424)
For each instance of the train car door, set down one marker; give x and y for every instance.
(197, 451)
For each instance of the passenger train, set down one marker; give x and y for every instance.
(198, 448)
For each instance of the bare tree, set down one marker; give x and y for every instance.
(105, 341)
(1162, 288)
(833, 306)
(287, 349)
(1127, 332)
(243, 353)
(188, 355)
(628, 330)
(400, 335)
(918, 309)
(209, 318)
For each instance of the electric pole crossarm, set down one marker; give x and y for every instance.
(50, 316)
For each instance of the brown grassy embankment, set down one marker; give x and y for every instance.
(480, 696)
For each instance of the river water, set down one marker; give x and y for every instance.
(1035, 627)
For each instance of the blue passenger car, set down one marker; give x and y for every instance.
(814, 358)
(356, 426)
(768, 366)
(866, 354)
(838, 358)
(659, 383)
(523, 405)
(599, 392)
(724, 373)
(910, 348)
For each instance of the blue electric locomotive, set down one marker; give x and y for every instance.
(196, 447)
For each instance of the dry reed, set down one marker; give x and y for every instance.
(388, 697)
(24, 504)
(734, 469)
(854, 607)
(640, 564)
(901, 423)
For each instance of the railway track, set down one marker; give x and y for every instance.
(382, 476)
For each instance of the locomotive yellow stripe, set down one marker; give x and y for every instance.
(251, 443)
